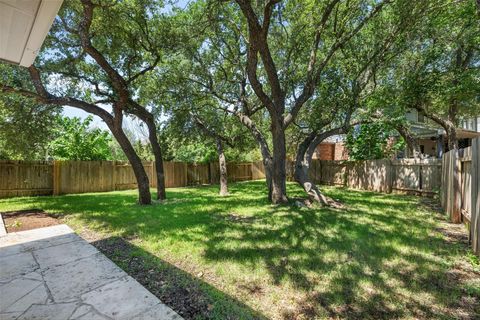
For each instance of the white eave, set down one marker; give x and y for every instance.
(24, 24)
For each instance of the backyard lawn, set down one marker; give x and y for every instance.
(239, 257)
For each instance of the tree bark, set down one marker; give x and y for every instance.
(223, 168)
(452, 137)
(301, 172)
(147, 118)
(144, 196)
(303, 161)
(450, 126)
(412, 143)
(157, 153)
(264, 149)
(279, 175)
(267, 164)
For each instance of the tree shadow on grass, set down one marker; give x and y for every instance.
(189, 296)
(375, 260)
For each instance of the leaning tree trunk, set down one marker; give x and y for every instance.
(310, 188)
(157, 153)
(144, 196)
(412, 143)
(279, 174)
(303, 161)
(301, 172)
(148, 119)
(223, 168)
(264, 149)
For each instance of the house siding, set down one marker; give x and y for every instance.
(331, 151)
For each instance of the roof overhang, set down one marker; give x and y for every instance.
(24, 26)
(467, 134)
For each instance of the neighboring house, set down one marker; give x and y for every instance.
(332, 148)
(432, 138)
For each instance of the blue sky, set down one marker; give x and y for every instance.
(74, 112)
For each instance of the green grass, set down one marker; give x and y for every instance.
(380, 257)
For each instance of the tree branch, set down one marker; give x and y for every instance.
(312, 79)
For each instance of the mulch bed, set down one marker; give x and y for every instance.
(28, 219)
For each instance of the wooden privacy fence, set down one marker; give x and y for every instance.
(25, 178)
(406, 175)
(21, 178)
(30, 178)
(460, 192)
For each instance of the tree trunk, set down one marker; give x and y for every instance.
(452, 138)
(279, 176)
(144, 196)
(451, 125)
(157, 152)
(303, 161)
(301, 176)
(412, 143)
(267, 164)
(264, 149)
(223, 168)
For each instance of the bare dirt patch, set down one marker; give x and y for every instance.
(175, 288)
(28, 220)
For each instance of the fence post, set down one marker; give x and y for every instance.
(209, 173)
(114, 169)
(420, 177)
(56, 177)
(457, 189)
(185, 168)
(17, 184)
(389, 175)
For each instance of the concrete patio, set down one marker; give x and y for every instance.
(52, 273)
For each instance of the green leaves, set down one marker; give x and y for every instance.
(25, 128)
(77, 140)
(372, 141)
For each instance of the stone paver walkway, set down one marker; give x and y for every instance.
(52, 273)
